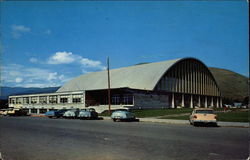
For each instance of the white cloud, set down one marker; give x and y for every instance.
(18, 30)
(18, 80)
(18, 75)
(90, 63)
(62, 58)
(39, 85)
(52, 76)
(61, 77)
(33, 60)
(68, 58)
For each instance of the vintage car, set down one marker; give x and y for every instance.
(71, 113)
(10, 111)
(3, 112)
(15, 112)
(19, 112)
(122, 115)
(203, 116)
(55, 113)
(88, 113)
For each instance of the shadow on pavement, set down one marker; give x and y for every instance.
(206, 125)
(128, 120)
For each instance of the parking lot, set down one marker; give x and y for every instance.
(38, 138)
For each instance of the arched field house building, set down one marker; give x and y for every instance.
(185, 82)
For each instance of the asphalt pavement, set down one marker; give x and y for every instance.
(39, 138)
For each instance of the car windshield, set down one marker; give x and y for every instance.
(63, 110)
(205, 111)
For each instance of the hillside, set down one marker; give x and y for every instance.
(232, 85)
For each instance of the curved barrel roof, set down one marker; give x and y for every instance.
(144, 76)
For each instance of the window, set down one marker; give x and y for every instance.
(12, 100)
(122, 99)
(115, 100)
(205, 111)
(42, 111)
(64, 98)
(19, 101)
(52, 99)
(33, 100)
(43, 100)
(26, 100)
(127, 99)
(77, 98)
(33, 110)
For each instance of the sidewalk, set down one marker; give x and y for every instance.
(174, 121)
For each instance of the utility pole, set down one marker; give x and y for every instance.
(108, 86)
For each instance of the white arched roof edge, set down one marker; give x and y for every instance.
(184, 59)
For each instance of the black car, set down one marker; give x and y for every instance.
(19, 112)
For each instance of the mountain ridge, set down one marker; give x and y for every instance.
(7, 91)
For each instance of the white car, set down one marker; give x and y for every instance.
(88, 113)
(72, 113)
(203, 116)
(123, 115)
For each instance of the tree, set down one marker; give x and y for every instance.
(3, 103)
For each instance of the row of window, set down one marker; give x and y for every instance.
(34, 110)
(126, 99)
(53, 99)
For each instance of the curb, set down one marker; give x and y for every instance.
(37, 115)
(234, 124)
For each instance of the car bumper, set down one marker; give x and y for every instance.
(84, 117)
(204, 121)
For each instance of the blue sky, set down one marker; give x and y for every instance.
(48, 43)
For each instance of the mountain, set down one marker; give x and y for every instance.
(7, 91)
(232, 85)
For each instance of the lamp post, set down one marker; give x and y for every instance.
(109, 87)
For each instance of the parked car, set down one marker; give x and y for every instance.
(122, 115)
(203, 116)
(10, 111)
(88, 113)
(72, 113)
(3, 112)
(13, 112)
(19, 112)
(55, 114)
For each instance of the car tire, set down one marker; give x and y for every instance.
(114, 120)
